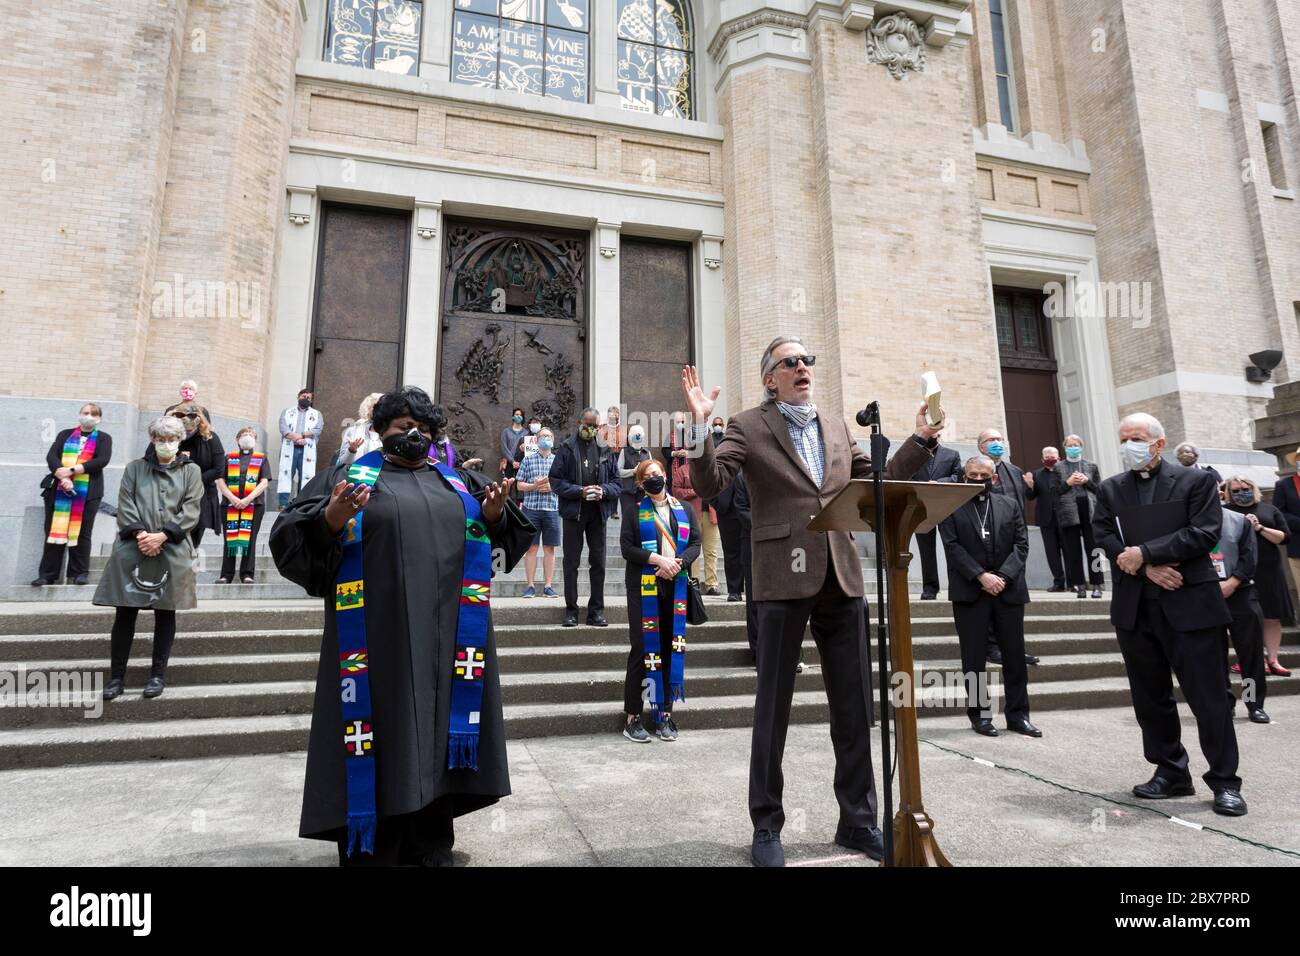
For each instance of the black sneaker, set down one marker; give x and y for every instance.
(634, 731)
(667, 730)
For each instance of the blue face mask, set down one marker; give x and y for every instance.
(1135, 454)
(1074, 453)
(544, 443)
(519, 419)
(997, 449)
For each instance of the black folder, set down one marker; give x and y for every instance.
(1139, 524)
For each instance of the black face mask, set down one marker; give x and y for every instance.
(410, 445)
(986, 482)
(654, 484)
(304, 403)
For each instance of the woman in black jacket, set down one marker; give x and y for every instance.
(669, 562)
(202, 446)
(1242, 495)
(87, 454)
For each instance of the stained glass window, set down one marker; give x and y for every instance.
(375, 34)
(1002, 65)
(540, 47)
(655, 62)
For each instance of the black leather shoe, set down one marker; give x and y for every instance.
(733, 598)
(984, 728)
(994, 655)
(597, 620)
(1257, 716)
(766, 849)
(1160, 788)
(41, 583)
(81, 579)
(929, 595)
(1056, 589)
(1229, 803)
(1031, 659)
(868, 840)
(113, 689)
(713, 592)
(571, 620)
(1024, 727)
(153, 688)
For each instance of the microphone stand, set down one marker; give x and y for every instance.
(879, 450)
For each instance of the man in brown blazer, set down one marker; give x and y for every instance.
(794, 463)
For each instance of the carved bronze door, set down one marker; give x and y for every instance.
(360, 310)
(513, 332)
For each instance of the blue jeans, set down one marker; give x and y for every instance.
(295, 476)
(547, 524)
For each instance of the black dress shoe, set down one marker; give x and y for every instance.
(994, 655)
(1031, 659)
(1229, 803)
(984, 727)
(766, 849)
(81, 579)
(1056, 589)
(868, 840)
(733, 598)
(597, 620)
(929, 595)
(1161, 788)
(153, 688)
(571, 620)
(113, 689)
(41, 582)
(713, 592)
(1257, 716)
(1024, 727)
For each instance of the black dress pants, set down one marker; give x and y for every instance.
(123, 636)
(408, 838)
(248, 561)
(751, 606)
(1078, 546)
(78, 555)
(1199, 659)
(929, 562)
(729, 529)
(975, 621)
(636, 688)
(837, 627)
(1052, 546)
(1247, 632)
(589, 525)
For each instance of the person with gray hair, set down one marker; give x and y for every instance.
(189, 393)
(1160, 523)
(151, 565)
(1075, 482)
(795, 458)
(1189, 456)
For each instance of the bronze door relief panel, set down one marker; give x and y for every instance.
(514, 322)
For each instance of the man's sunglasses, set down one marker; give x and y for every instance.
(792, 361)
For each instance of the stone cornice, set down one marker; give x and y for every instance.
(764, 17)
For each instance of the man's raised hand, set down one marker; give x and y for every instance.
(697, 403)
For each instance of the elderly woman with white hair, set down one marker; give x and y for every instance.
(359, 439)
(151, 565)
(1242, 494)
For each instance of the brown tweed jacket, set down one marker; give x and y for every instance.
(791, 562)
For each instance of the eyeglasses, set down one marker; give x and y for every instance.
(792, 361)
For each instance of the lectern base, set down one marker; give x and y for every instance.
(914, 842)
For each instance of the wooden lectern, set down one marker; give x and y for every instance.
(910, 506)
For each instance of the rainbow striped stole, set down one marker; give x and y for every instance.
(239, 523)
(650, 623)
(65, 525)
(469, 659)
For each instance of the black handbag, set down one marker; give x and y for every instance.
(695, 613)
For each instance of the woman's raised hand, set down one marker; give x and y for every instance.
(494, 500)
(346, 499)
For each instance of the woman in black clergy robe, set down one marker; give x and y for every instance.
(413, 546)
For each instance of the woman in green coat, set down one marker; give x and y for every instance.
(152, 564)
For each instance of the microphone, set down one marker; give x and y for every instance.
(869, 415)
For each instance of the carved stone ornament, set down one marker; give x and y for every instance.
(897, 42)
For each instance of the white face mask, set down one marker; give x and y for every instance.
(166, 450)
(247, 442)
(534, 427)
(1135, 454)
(89, 422)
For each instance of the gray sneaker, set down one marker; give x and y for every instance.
(635, 732)
(667, 730)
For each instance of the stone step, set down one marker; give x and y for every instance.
(101, 741)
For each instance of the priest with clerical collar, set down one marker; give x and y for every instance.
(407, 729)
